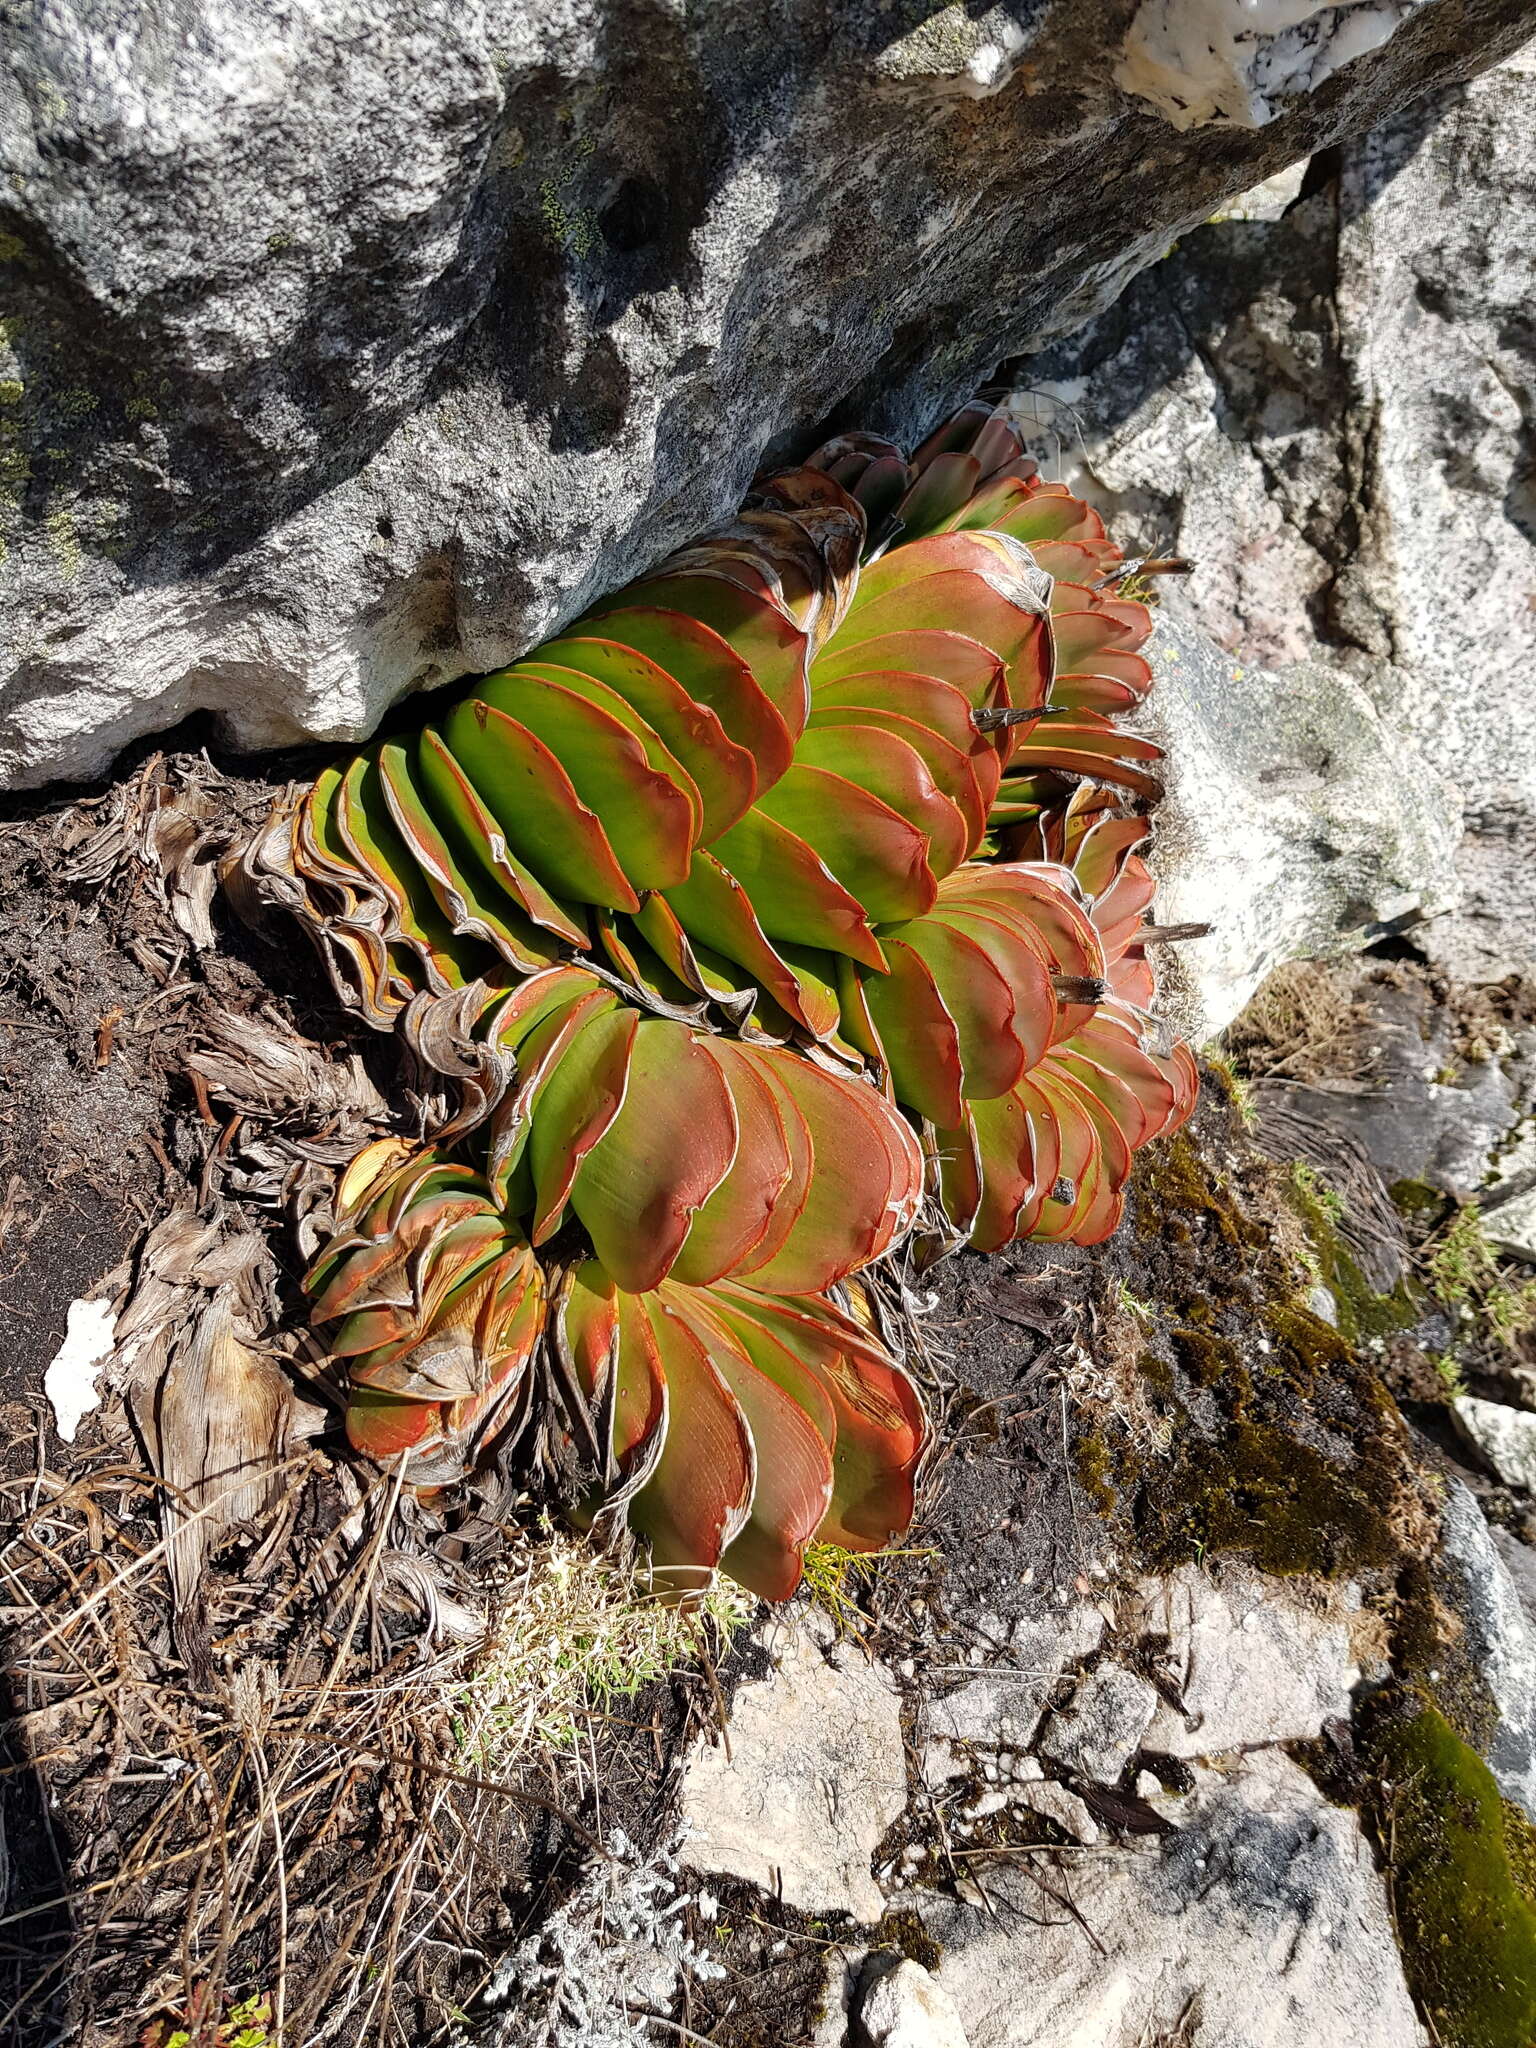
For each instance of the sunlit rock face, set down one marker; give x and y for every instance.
(349, 349)
(1323, 398)
(1201, 61)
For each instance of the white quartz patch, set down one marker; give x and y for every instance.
(1199, 61)
(70, 1381)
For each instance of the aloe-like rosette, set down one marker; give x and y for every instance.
(437, 1299)
(791, 879)
(740, 1426)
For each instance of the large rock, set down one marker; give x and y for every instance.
(1328, 409)
(351, 347)
(1262, 1920)
(816, 1773)
(1296, 820)
(1251, 1661)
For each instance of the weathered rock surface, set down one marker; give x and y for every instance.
(1001, 1707)
(347, 350)
(1296, 820)
(1330, 411)
(908, 2008)
(1504, 1437)
(1100, 1730)
(816, 1774)
(1263, 1915)
(1251, 1661)
(1499, 1640)
(1418, 1106)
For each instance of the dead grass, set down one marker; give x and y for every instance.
(316, 1830)
(1302, 1025)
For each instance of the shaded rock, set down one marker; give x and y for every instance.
(1520, 1562)
(1504, 1437)
(1295, 820)
(1329, 413)
(909, 2008)
(1002, 1707)
(1251, 1663)
(816, 1774)
(1498, 1639)
(1419, 1109)
(845, 1968)
(1055, 1802)
(1263, 1921)
(343, 361)
(1100, 1731)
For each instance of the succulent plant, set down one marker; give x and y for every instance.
(795, 887)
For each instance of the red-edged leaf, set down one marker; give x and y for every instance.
(793, 1455)
(877, 855)
(880, 1425)
(888, 767)
(576, 1104)
(793, 892)
(734, 1220)
(714, 909)
(1050, 512)
(670, 1146)
(467, 896)
(699, 1494)
(767, 640)
(724, 772)
(978, 995)
(862, 1187)
(713, 674)
(1018, 635)
(917, 1035)
(1020, 963)
(458, 809)
(939, 653)
(648, 805)
(534, 803)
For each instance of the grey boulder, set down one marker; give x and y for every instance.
(350, 347)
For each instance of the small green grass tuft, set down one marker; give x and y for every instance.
(576, 1637)
(1466, 1273)
(835, 1577)
(1132, 1305)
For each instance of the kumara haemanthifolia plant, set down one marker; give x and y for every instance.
(788, 895)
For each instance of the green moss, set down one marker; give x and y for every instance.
(1362, 1311)
(1459, 1862)
(906, 1933)
(1259, 1490)
(1418, 1198)
(1283, 1446)
(1157, 1375)
(1206, 1358)
(1095, 1463)
(1313, 1344)
(1176, 1188)
(1231, 1083)
(76, 404)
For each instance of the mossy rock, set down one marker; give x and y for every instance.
(1460, 1862)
